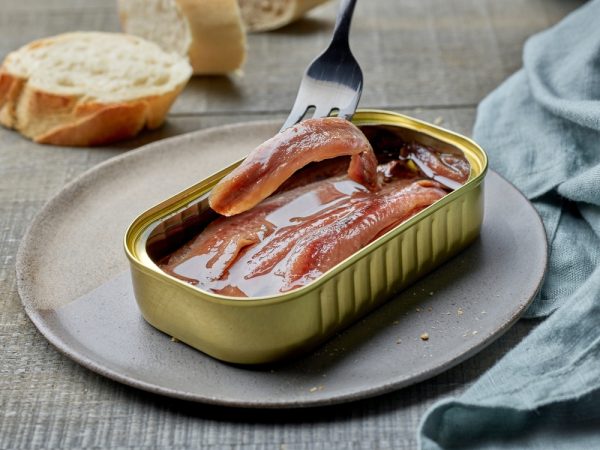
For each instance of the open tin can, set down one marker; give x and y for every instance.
(260, 330)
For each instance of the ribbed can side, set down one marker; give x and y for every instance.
(401, 261)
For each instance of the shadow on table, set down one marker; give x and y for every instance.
(306, 25)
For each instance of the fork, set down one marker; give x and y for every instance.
(333, 82)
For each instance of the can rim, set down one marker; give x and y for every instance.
(135, 232)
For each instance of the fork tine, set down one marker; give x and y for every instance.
(348, 111)
(323, 111)
(295, 115)
(334, 79)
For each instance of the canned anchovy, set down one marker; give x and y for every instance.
(330, 242)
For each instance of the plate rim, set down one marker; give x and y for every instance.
(57, 342)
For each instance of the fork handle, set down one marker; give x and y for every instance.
(341, 31)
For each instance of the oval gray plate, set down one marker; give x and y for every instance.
(73, 281)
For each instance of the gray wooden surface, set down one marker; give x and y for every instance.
(434, 59)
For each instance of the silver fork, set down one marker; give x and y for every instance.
(333, 82)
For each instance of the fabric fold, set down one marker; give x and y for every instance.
(541, 129)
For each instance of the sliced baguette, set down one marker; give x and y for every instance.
(209, 32)
(265, 15)
(88, 88)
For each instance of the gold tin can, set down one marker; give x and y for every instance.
(265, 329)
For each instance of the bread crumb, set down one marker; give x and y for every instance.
(438, 120)
(460, 312)
(399, 341)
(425, 336)
(174, 339)
(429, 309)
(418, 309)
(431, 293)
(396, 322)
(316, 388)
(474, 333)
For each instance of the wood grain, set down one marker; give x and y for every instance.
(432, 59)
(427, 53)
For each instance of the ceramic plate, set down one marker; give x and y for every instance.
(75, 287)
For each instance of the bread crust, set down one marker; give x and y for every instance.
(109, 123)
(301, 7)
(296, 10)
(74, 120)
(10, 90)
(218, 37)
(217, 34)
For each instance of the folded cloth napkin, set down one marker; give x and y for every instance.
(541, 129)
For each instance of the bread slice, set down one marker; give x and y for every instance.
(88, 88)
(209, 32)
(264, 15)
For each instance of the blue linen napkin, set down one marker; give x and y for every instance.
(541, 130)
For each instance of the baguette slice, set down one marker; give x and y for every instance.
(209, 32)
(88, 88)
(265, 15)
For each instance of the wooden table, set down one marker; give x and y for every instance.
(433, 59)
